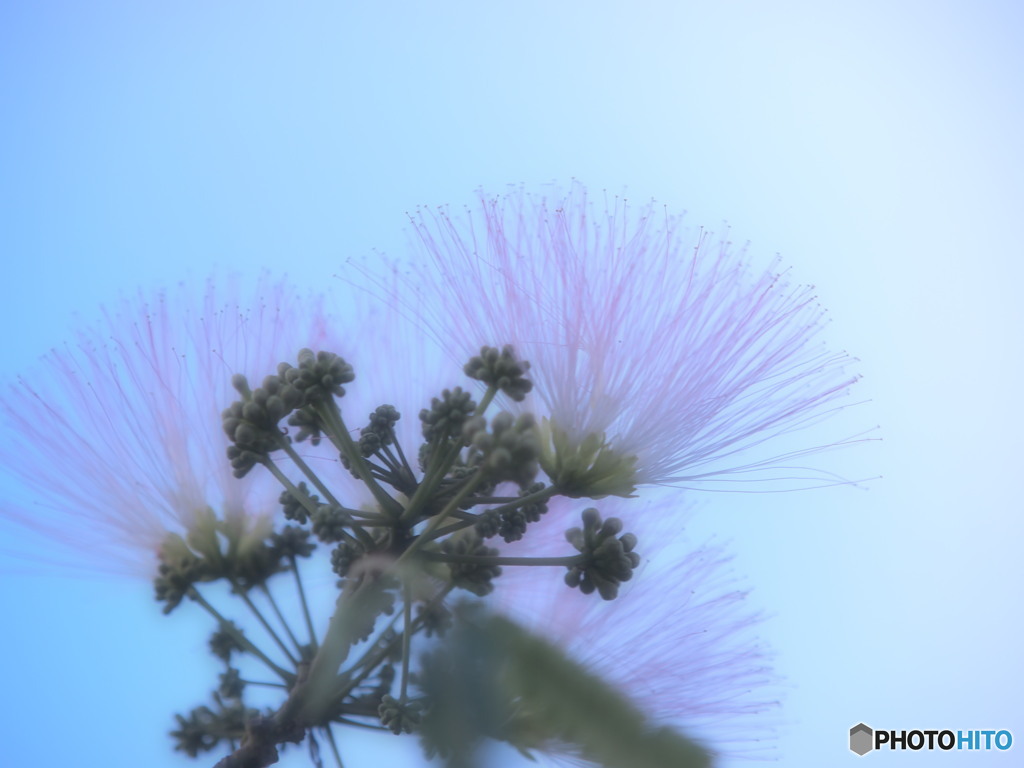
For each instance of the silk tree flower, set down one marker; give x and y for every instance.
(658, 355)
(680, 640)
(116, 440)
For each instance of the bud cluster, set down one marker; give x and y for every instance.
(424, 538)
(608, 561)
(447, 415)
(509, 451)
(501, 370)
(252, 422)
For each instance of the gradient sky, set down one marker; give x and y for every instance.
(875, 145)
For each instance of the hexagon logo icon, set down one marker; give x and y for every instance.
(861, 739)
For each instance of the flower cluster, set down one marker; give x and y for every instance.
(602, 353)
(116, 439)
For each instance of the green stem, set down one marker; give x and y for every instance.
(357, 724)
(363, 537)
(334, 746)
(305, 605)
(479, 500)
(485, 401)
(470, 519)
(401, 454)
(266, 625)
(240, 638)
(388, 465)
(439, 518)
(543, 494)
(440, 533)
(435, 474)
(309, 473)
(389, 459)
(331, 416)
(264, 684)
(280, 618)
(282, 478)
(375, 655)
(406, 641)
(439, 557)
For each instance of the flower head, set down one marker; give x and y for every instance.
(116, 440)
(658, 356)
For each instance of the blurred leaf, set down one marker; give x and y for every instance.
(495, 679)
(356, 612)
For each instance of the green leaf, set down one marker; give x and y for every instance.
(522, 689)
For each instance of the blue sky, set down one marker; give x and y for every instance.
(875, 145)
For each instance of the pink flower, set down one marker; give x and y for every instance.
(116, 440)
(679, 641)
(658, 355)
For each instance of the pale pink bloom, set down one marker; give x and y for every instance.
(680, 640)
(658, 355)
(115, 440)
